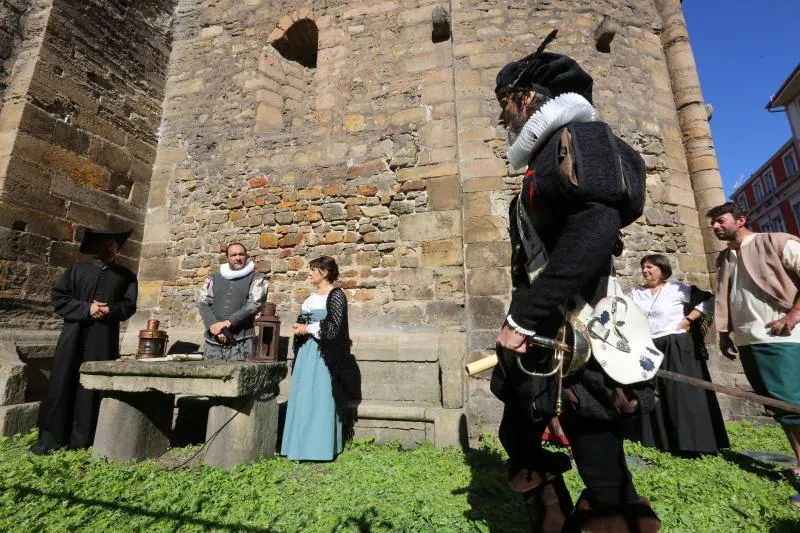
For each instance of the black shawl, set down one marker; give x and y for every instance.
(699, 328)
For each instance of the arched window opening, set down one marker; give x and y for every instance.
(299, 43)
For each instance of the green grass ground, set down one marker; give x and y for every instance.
(371, 488)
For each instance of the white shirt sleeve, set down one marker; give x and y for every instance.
(313, 329)
(706, 307)
(791, 256)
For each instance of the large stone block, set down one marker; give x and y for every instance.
(412, 284)
(198, 378)
(18, 419)
(486, 312)
(12, 383)
(441, 253)
(485, 229)
(488, 281)
(452, 349)
(240, 434)
(436, 225)
(488, 254)
(444, 193)
(158, 269)
(407, 381)
(133, 426)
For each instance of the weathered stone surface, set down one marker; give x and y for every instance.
(246, 437)
(407, 381)
(18, 419)
(12, 383)
(226, 380)
(488, 281)
(430, 226)
(488, 254)
(383, 149)
(441, 253)
(133, 426)
(486, 228)
(451, 362)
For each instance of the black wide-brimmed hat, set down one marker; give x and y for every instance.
(544, 72)
(91, 238)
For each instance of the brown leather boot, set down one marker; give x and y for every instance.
(637, 517)
(549, 504)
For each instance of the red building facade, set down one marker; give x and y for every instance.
(771, 196)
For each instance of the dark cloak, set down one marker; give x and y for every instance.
(69, 412)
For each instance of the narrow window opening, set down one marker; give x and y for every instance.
(19, 225)
(300, 43)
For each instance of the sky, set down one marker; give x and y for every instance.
(744, 51)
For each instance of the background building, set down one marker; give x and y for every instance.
(771, 195)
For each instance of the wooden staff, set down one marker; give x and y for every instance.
(488, 362)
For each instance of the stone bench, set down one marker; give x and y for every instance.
(138, 397)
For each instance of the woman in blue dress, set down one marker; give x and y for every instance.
(320, 399)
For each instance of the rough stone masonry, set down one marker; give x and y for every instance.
(361, 130)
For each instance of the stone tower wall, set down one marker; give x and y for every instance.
(78, 132)
(386, 156)
(307, 128)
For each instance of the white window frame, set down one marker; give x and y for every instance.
(789, 155)
(768, 179)
(758, 190)
(778, 224)
(742, 201)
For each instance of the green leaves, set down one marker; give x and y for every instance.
(371, 488)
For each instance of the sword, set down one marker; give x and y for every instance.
(488, 362)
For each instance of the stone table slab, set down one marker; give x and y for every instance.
(198, 378)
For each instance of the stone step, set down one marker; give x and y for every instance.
(410, 423)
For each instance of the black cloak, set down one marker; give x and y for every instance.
(68, 415)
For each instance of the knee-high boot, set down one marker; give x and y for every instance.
(637, 517)
(548, 504)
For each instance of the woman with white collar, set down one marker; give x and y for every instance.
(687, 421)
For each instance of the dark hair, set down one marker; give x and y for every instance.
(536, 103)
(728, 207)
(235, 244)
(328, 264)
(660, 261)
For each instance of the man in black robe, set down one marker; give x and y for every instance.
(92, 297)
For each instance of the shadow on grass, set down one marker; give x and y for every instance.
(366, 521)
(754, 466)
(785, 526)
(182, 519)
(492, 502)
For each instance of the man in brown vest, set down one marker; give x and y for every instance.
(757, 303)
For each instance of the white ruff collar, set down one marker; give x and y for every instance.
(558, 112)
(227, 273)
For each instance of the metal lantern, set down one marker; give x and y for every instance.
(152, 341)
(269, 335)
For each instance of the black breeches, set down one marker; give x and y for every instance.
(596, 448)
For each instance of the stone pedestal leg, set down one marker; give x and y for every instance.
(246, 437)
(133, 426)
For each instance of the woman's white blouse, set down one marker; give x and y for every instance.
(313, 302)
(664, 309)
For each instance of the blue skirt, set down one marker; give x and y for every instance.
(313, 430)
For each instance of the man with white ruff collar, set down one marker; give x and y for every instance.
(228, 303)
(581, 186)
